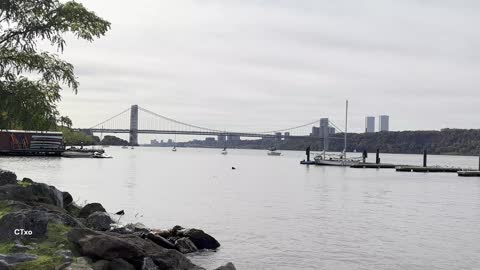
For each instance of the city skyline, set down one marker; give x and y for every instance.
(205, 63)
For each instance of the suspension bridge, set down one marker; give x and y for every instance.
(137, 120)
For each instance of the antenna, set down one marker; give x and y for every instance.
(346, 130)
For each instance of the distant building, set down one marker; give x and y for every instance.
(222, 138)
(324, 128)
(383, 123)
(210, 140)
(154, 142)
(369, 124)
(287, 134)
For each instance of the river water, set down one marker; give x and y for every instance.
(272, 213)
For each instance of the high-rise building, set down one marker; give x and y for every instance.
(369, 124)
(383, 122)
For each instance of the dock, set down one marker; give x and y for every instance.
(309, 162)
(373, 166)
(469, 173)
(427, 169)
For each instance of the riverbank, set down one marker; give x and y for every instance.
(42, 228)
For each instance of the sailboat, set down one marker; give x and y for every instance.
(338, 160)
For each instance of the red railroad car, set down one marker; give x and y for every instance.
(24, 142)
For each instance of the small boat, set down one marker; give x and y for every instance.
(76, 154)
(174, 149)
(132, 147)
(100, 155)
(224, 151)
(273, 152)
(124, 147)
(336, 160)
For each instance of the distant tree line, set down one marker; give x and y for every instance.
(446, 141)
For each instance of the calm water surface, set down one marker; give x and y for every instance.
(272, 213)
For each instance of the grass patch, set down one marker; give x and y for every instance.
(45, 250)
(6, 247)
(24, 183)
(4, 209)
(43, 262)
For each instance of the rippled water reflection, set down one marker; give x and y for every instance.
(272, 213)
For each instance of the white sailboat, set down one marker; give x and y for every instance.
(341, 159)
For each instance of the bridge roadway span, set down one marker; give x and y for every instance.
(202, 133)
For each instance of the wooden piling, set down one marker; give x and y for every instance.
(425, 158)
(377, 159)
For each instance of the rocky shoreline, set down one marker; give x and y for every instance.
(42, 228)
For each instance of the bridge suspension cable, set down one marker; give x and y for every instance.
(101, 123)
(178, 122)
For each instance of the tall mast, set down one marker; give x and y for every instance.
(346, 129)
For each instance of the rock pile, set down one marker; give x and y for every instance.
(42, 228)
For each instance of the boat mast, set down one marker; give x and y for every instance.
(346, 130)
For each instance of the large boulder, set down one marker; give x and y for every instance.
(32, 194)
(110, 246)
(201, 239)
(120, 264)
(7, 178)
(34, 219)
(91, 208)
(99, 221)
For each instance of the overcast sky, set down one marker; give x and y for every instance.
(267, 64)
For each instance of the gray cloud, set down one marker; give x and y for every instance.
(267, 64)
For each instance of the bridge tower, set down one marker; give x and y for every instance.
(134, 125)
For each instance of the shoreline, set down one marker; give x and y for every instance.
(42, 228)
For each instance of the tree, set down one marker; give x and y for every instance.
(31, 79)
(65, 121)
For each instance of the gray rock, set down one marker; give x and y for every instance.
(4, 265)
(7, 178)
(110, 246)
(17, 258)
(67, 255)
(67, 198)
(81, 263)
(99, 221)
(201, 239)
(35, 219)
(101, 265)
(185, 245)
(148, 264)
(34, 193)
(228, 266)
(19, 248)
(137, 227)
(91, 208)
(120, 264)
(159, 240)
